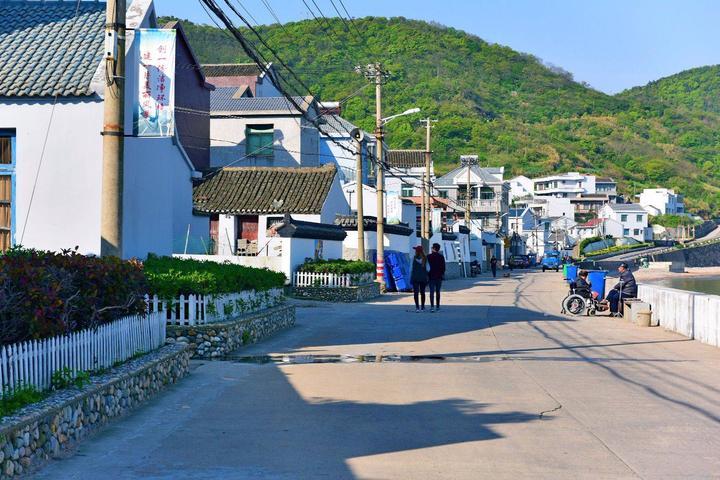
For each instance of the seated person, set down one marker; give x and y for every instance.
(625, 288)
(581, 286)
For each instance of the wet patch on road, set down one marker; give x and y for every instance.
(367, 358)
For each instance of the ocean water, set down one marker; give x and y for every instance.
(709, 285)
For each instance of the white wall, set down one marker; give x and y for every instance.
(637, 229)
(227, 144)
(65, 209)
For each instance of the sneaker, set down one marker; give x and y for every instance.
(432, 310)
(417, 310)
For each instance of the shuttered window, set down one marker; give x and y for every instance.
(259, 140)
(5, 212)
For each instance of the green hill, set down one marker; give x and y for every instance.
(507, 107)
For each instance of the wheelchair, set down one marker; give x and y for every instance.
(581, 301)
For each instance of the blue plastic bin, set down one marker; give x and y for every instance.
(572, 271)
(597, 280)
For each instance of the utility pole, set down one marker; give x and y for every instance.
(113, 131)
(359, 184)
(468, 161)
(375, 73)
(426, 201)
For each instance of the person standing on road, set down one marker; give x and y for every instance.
(419, 278)
(493, 266)
(437, 272)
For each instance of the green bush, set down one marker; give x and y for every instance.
(338, 266)
(169, 277)
(587, 241)
(13, 400)
(673, 221)
(44, 294)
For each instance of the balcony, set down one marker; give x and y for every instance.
(481, 205)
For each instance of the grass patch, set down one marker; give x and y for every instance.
(12, 401)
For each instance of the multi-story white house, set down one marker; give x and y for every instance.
(625, 220)
(521, 187)
(661, 201)
(587, 193)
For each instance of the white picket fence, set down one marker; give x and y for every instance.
(332, 280)
(204, 309)
(33, 363)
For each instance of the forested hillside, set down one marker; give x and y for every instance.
(507, 107)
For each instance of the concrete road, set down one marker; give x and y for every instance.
(507, 389)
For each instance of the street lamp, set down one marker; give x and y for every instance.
(387, 120)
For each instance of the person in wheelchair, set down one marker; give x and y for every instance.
(581, 286)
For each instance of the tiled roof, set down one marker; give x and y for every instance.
(626, 207)
(350, 222)
(604, 180)
(46, 50)
(406, 158)
(336, 126)
(485, 174)
(229, 99)
(231, 70)
(593, 222)
(265, 190)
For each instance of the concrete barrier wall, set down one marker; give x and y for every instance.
(691, 314)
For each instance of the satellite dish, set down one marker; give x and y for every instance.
(357, 134)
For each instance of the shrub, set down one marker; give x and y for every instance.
(43, 294)
(169, 277)
(13, 400)
(337, 266)
(587, 241)
(618, 248)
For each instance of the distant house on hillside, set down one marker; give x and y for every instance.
(661, 201)
(625, 220)
(52, 77)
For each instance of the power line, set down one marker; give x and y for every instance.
(352, 21)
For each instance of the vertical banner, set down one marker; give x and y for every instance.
(154, 112)
(436, 220)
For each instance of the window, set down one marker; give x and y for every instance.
(407, 190)
(259, 140)
(443, 194)
(626, 231)
(636, 232)
(487, 193)
(639, 218)
(7, 175)
(623, 217)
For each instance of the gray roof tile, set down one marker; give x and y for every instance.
(265, 190)
(226, 99)
(45, 50)
(406, 158)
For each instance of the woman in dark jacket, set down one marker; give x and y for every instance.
(419, 278)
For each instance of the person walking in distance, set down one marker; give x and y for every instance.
(437, 272)
(493, 266)
(419, 278)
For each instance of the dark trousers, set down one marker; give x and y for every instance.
(435, 285)
(419, 289)
(494, 270)
(613, 299)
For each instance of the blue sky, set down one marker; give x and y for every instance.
(611, 44)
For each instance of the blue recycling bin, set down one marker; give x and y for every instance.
(572, 271)
(597, 280)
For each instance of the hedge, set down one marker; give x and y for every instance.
(337, 266)
(43, 294)
(619, 248)
(169, 277)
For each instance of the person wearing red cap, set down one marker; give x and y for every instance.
(419, 278)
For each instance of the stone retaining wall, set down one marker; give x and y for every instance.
(216, 340)
(360, 293)
(42, 430)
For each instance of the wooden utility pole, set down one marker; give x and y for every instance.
(113, 131)
(427, 187)
(468, 161)
(359, 184)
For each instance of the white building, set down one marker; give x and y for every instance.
(51, 116)
(661, 201)
(262, 131)
(521, 187)
(337, 146)
(586, 193)
(626, 220)
(410, 166)
(242, 204)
